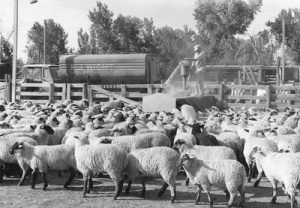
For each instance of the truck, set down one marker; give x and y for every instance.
(97, 69)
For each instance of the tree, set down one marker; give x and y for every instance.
(102, 37)
(84, 42)
(56, 41)
(219, 20)
(292, 31)
(6, 51)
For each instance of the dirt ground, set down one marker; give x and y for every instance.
(102, 195)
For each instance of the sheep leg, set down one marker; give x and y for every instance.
(1, 171)
(45, 181)
(173, 192)
(231, 200)
(71, 177)
(163, 189)
(118, 189)
(25, 171)
(143, 193)
(90, 183)
(33, 178)
(274, 185)
(227, 195)
(198, 195)
(128, 187)
(293, 201)
(242, 195)
(250, 173)
(187, 181)
(85, 183)
(209, 199)
(258, 179)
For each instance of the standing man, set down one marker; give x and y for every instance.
(199, 64)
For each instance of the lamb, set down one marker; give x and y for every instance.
(229, 174)
(279, 167)
(204, 152)
(141, 141)
(98, 158)
(154, 161)
(43, 157)
(5, 144)
(40, 135)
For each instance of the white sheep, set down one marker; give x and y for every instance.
(59, 132)
(204, 152)
(141, 141)
(5, 157)
(252, 141)
(26, 129)
(99, 158)
(40, 135)
(153, 162)
(42, 158)
(279, 167)
(229, 174)
(189, 112)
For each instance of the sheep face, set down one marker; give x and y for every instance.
(16, 146)
(185, 161)
(45, 129)
(178, 145)
(106, 141)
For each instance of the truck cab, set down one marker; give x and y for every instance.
(39, 73)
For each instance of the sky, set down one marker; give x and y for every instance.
(72, 15)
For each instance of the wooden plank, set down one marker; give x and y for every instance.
(51, 91)
(90, 94)
(246, 105)
(77, 94)
(24, 93)
(42, 85)
(101, 90)
(68, 91)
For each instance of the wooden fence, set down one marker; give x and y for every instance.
(237, 96)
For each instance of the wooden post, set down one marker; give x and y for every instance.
(84, 91)
(51, 92)
(268, 97)
(69, 91)
(90, 93)
(64, 92)
(7, 90)
(123, 90)
(221, 92)
(149, 89)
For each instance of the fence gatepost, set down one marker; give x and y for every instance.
(90, 94)
(123, 90)
(69, 91)
(149, 90)
(84, 91)
(7, 89)
(51, 92)
(268, 97)
(221, 92)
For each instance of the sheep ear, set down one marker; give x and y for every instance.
(20, 145)
(192, 156)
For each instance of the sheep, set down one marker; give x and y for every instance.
(279, 167)
(229, 174)
(154, 161)
(5, 157)
(204, 152)
(59, 132)
(188, 112)
(98, 158)
(40, 135)
(141, 141)
(26, 129)
(187, 137)
(42, 157)
(266, 145)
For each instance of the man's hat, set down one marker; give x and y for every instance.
(196, 47)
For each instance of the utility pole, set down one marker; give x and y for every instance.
(45, 41)
(283, 48)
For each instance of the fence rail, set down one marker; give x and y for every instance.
(237, 96)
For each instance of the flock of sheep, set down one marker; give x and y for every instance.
(213, 148)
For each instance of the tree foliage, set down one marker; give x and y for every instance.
(56, 41)
(6, 51)
(292, 31)
(219, 20)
